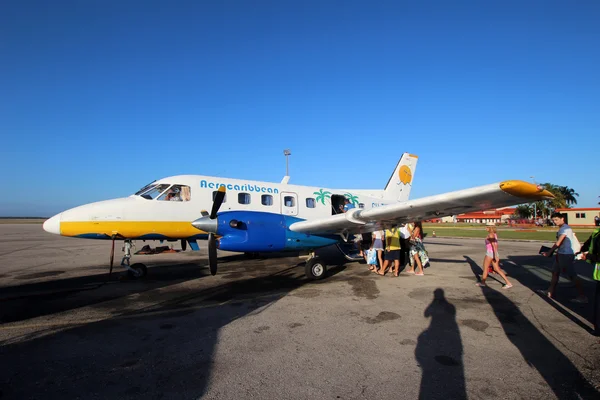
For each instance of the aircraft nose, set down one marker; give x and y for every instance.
(52, 225)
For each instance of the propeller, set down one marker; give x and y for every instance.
(219, 197)
(208, 223)
(183, 244)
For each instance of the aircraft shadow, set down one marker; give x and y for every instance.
(558, 371)
(439, 352)
(43, 298)
(21, 302)
(165, 351)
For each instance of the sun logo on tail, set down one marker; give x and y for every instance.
(405, 174)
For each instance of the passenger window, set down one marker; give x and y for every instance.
(215, 195)
(266, 200)
(582, 215)
(310, 202)
(361, 205)
(177, 193)
(244, 198)
(289, 201)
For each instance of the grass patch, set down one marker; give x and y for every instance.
(545, 235)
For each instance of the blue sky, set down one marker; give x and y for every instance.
(101, 97)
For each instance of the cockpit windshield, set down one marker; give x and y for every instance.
(160, 192)
(153, 191)
(142, 190)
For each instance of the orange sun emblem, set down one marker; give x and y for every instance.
(405, 174)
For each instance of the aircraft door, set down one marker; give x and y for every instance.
(289, 203)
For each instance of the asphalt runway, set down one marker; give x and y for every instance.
(260, 330)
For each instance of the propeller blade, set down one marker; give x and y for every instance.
(204, 213)
(183, 244)
(219, 197)
(212, 253)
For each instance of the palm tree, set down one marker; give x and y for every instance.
(353, 199)
(564, 198)
(542, 209)
(568, 194)
(558, 201)
(322, 195)
(523, 211)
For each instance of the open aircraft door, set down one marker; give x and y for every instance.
(289, 203)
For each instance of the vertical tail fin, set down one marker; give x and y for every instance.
(400, 183)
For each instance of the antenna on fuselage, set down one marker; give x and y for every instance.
(286, 178)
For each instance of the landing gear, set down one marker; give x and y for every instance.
(315, 269)
(135, 271)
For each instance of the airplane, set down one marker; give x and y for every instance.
(253, 216)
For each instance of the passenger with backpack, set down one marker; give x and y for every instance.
(564, 260)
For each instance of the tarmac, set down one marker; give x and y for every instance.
(259, 330)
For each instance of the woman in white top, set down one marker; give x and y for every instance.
(378, 237)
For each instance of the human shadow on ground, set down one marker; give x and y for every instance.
(561, 375)
(439, 352)
(534, 272)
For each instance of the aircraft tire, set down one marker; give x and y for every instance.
(315, 269)
(140, 268)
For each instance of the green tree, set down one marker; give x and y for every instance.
(524, 211)
(564, 197)
(568, 194)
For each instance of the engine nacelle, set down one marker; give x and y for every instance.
(255, 231)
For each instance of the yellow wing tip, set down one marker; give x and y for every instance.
(221, 188)
(526, 190)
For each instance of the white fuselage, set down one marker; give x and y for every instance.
(156, 217)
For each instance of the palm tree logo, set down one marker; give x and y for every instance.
(322, 195)
(353, 199)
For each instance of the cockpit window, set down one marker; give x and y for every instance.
(177, 193)
(142, 190)
(154, 191)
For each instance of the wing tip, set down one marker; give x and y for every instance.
(525, 190)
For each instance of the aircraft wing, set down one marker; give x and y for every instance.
(496, 195)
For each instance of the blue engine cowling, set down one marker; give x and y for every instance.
(255, 231)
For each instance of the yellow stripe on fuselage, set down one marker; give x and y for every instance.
(130, 229)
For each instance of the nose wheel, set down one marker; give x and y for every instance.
(134, 271)
(137, 271)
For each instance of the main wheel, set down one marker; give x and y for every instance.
(315, 269)
(140, 271)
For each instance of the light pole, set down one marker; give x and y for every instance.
(534, 207)
(287, 153)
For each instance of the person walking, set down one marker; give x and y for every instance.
(417, 253)
(492, 258)
(564, 260)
